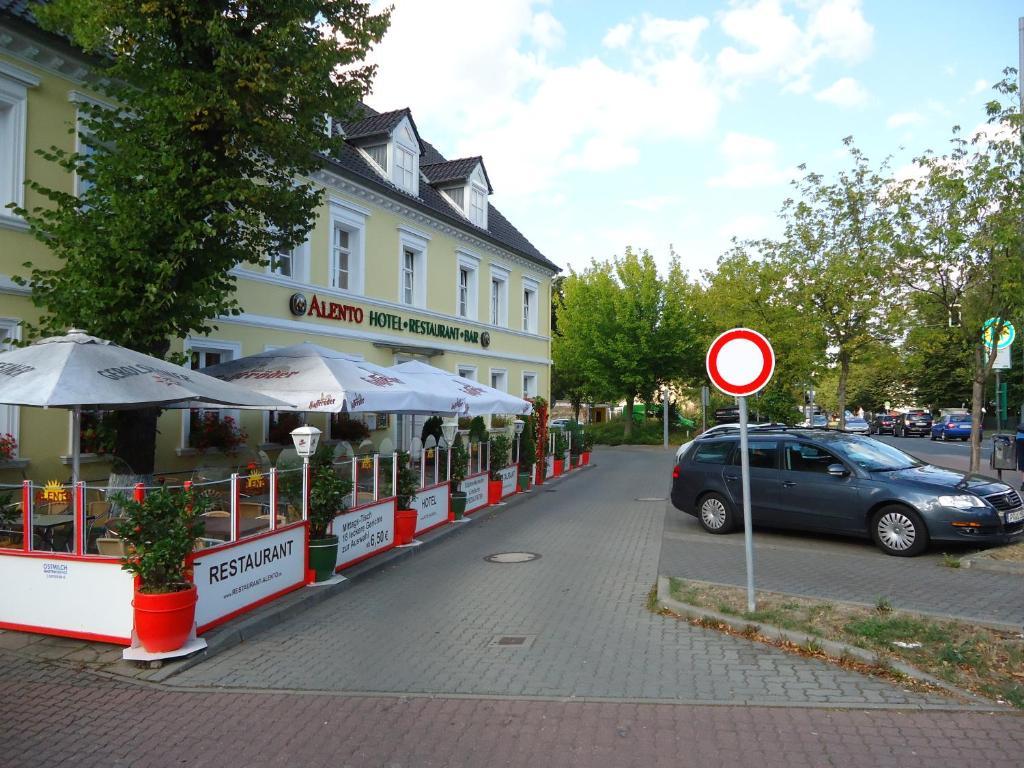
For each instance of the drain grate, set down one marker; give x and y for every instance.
(512, 557)
(512, 641)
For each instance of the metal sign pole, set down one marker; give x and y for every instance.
(664, 416)
(748, 537)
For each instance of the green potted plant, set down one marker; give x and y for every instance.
(588, 446)
(561, 446)
(500, 447)
(527, 453)
(405, 515)
(575, 434)
(328, 498)
(460, 465)
(159, 534)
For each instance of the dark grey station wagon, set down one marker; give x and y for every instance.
(833, 482)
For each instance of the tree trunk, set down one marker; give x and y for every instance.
(844, 374)
(629, 415)
(977, 400)
(135, 439)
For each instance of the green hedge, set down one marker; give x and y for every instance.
(646, 432)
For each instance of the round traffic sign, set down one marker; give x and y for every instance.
(740, 362)
(1006, 335)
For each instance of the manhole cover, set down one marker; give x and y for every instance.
(512, 557)
(651, 498)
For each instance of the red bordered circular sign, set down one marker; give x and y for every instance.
(740, 362)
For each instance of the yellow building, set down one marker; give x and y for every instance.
(407, 260)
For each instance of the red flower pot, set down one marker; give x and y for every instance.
(493, 491)
(405, 526)
(585, 458)
(164, 621)
(559, 466)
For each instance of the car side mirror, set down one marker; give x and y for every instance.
(838, 470)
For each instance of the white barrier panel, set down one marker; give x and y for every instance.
(549, 465)
(431, 505)
(364, 531)
(476, 492)
(508, 480)
(240, 576)
(566, 463)
(91, 599)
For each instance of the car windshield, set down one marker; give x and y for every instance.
(872, 455)
(959, 417)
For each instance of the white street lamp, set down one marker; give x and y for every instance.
(305, 439)
(519, 426)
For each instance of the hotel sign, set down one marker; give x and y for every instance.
(347, 313)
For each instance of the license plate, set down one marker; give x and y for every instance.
(1015, 517)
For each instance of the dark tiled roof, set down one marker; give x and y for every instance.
(454, 170)
(18, 8)
(350, 163)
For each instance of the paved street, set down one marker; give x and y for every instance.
(407, 669)
(952, 454)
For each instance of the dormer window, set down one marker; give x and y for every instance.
(405, 169)
(478, 206)
(379, 154)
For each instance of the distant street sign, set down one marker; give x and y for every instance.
(1002, 359)
(740, 362)
(1006, 335)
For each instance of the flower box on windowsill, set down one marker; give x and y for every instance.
(14, 463)
(87, 458)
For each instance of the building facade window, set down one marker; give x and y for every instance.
(466, 298)
(498, 297)
(499, 379)
(531, 308)
(203, 354)
(529, 384)
(466, 371)
(347, 255)
(412, 267)
(10, 332)
(14, 85)
(283, 263)
(341, 258)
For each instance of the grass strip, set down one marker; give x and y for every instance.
(984, 660)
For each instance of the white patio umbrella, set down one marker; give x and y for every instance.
(313, 378)
(471, 397)
(79, 371)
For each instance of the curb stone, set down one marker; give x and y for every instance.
(982, 562)
(831, 647)
(253, 623)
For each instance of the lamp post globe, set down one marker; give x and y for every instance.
(305, 439)
(448, 429)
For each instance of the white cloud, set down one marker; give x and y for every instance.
(751, 161)
(980, 85)
(654, 203)
(618, 36)
(546, 30)
(772, 43)
(681, 34)
(901, 119)
(749, 227)
(844, 92)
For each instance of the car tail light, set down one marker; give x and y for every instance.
(675, 472)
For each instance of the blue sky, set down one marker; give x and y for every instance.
(607, 124)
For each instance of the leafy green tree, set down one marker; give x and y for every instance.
(195, 159)
(624, 330)
(837, 253)
(962, 242)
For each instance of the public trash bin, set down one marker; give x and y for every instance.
(1004, 452)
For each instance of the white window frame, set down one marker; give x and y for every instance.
(405, 169)
(502, 374)
(229, 350)
(466, 371)
(531, 287)
(471, 264)
(498, 317)
(10, 415)
(529, 391)
(353, 220)
(14, 85)
(476, 206)
(415, 242)
(300, 264)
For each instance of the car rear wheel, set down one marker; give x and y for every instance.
(715, 514)
(899, 531)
